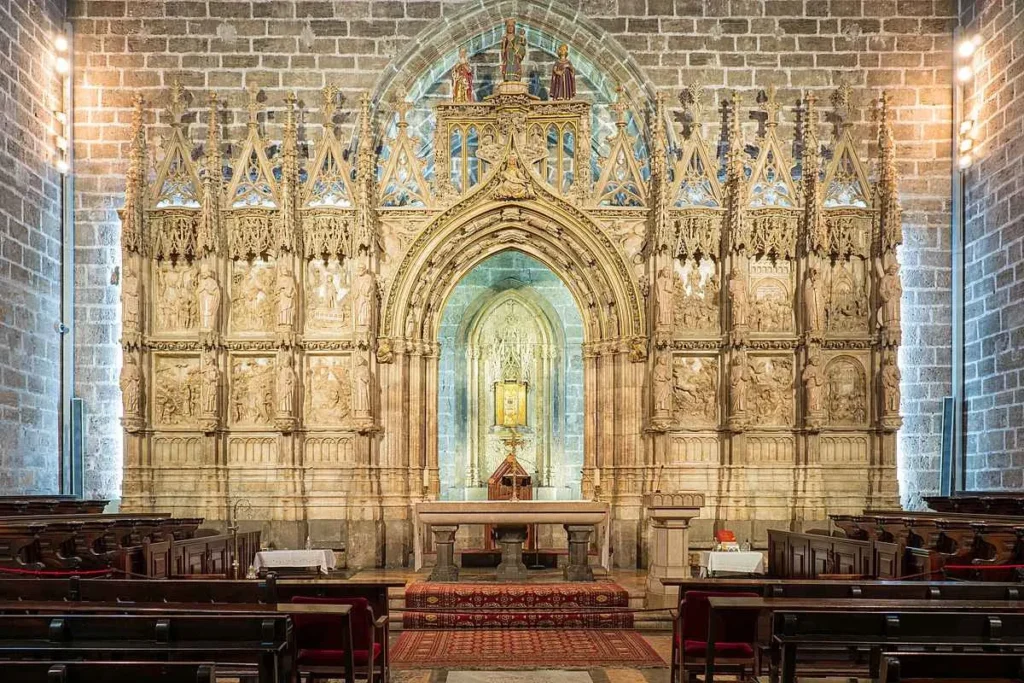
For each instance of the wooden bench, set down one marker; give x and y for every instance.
(49, 505)
(108, 672)
(934, 666)
(806, 556)
(835, 589)
(241, 642)
(890, 630)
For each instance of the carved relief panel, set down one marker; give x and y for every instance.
(177, 385)
(846, 392)
(252, 391)
(328, 390)
(696, 298)
(771, 296)
(695, 391)
(252, 297)
(770, 391)
(174, 297)
(327, 298)
(847, 301)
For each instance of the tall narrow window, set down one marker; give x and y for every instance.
(472, 163)
(568, 157)
(455, 147)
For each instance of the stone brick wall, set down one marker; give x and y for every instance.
(797, 45)
(30, 248)
(994, 280)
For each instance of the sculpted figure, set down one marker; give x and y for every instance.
(285, 384)
(130, 297)
(361, 387)
(738, 296)
(211, 380)
(814, 384)
(739, 380)
(563, 76)
(131, 379)
(209, 298)
(890, 290)
(662, 384)
(666, 292)
(513, 51)
(890, 383)
(813, 307)
(286, 293)
(514, 182)
(366, 291)
(462, 79)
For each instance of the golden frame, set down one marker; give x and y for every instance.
(510, 404)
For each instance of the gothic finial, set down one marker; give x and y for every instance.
(692, 99)
(737, 134)
(841, 103)
(211, 131)
(330, 103)
(620, 106)
(176, 107)
(770, 105)
(402, 107)
(254, 107)
(139, 103)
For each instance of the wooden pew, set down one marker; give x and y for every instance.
(49, 505)
(934, 666)
(108, 672)
(890, 630)
(1010, 504)
(239, 641)
(806, 556)
(837, 589)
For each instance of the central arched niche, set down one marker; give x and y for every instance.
(510, 310)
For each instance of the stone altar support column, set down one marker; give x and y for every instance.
(670, 515)
(511, 538)
(444, 541)
(578, 568)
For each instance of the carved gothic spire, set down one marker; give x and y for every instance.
(213, 176)
(659, 170)
(286, 234)
(735, 175)
(814, 224)
(890, 214)
(133, 213)
(366, 173)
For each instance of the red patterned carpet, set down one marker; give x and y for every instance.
(538, 605)
(522, 649)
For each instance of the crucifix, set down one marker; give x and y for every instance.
(513, 442)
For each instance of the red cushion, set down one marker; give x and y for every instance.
(323, 631)
(336, 657)
(698, 648)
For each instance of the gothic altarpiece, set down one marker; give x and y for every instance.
(281, 309)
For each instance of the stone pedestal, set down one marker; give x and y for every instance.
(511, 539)
(444, 542)
(578, 568)
(670, 515)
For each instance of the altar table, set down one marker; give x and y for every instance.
(734, 561)
(578, 516)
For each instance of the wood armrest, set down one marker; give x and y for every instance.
(381, 622)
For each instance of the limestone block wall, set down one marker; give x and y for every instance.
(143, 46)
(30, 248)
(993, 279)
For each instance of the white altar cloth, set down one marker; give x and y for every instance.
(736, 561)
(464, 512)
(269, 559)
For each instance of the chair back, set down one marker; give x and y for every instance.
(694, 612)
(323, 631)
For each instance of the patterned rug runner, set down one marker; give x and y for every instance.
(522, 649)
(537, 605)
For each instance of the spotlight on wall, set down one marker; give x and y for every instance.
(964, 73)
(60, 43)
(966, 48)
(61, 108)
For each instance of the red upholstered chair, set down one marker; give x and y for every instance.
(320, 641)
(736, 653)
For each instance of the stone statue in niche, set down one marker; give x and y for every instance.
(666, 286)
(361, 384)
(771, 392)
(695, 390)
(813, 308)
(662, 380)
(739, 383)
(739, 301)
(177, 391)
(329, 393)
(890, 383)
(890, 290)
(175, 297)
(462, 79)
(131, 385)
(513, 52)
(286, 294)
(130, 297)
(326, 296)
(211, 384)
(365, 295)
(814, 384)
(285, 384)
(563, 76)
(209, 298)
(252, 391)
(846, 392)
(252, 296)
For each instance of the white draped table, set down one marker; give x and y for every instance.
(322, 559)
(735, 561)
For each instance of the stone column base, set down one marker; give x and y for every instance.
(511, 539)
(444, 541)
(578, 568)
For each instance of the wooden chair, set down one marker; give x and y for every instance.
(738, 654)
(321, 644)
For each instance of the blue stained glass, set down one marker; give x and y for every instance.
(455, 146)
(472, 142)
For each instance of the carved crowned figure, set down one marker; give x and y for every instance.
(739, 380)
(131, 380)
(563, 76)
(361, 382)
(211, 383)
(662, 384)
(813, 306)
(890, 384)
(666, 287)
(285, 384)
(209, 298)
(738, 297)
(513, 51)
(890, 290)
(462, 79)
(287, 291)
(366, 291)
(130, 297)
(814, 384)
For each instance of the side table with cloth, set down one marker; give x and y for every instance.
(735, 561)
(322, 560)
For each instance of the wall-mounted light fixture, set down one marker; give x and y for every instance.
(966, 131)
(62, 110)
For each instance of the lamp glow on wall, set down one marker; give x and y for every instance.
(62, 111)
(966, 145)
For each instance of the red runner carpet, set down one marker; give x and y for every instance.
(536, 605)
(522, 649)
